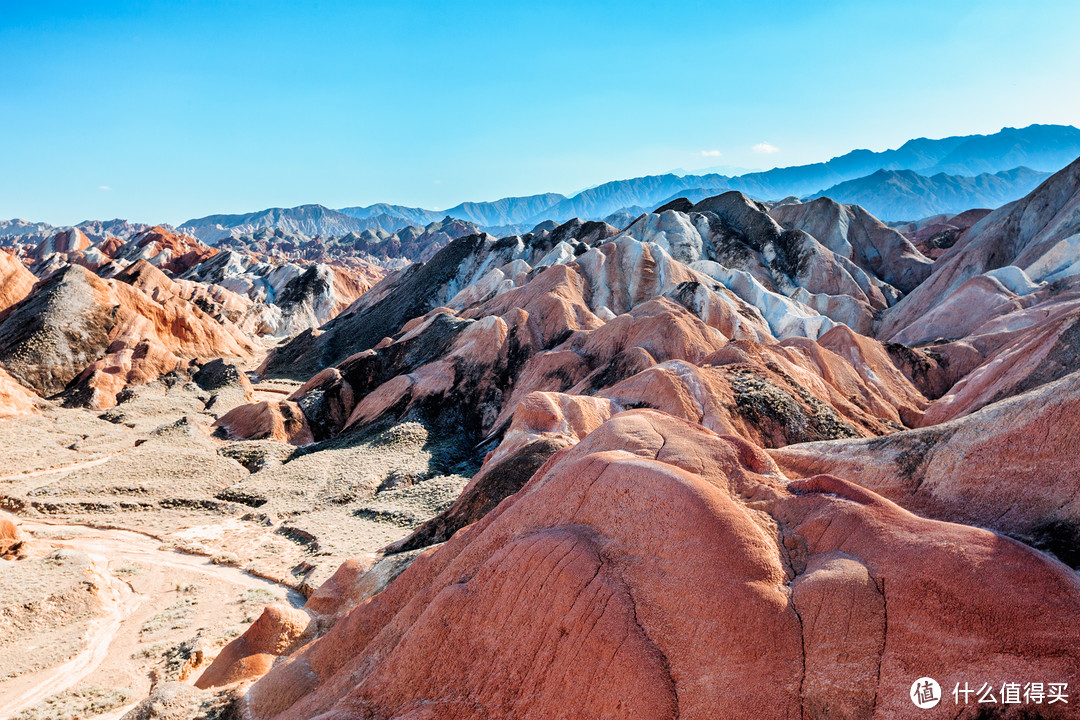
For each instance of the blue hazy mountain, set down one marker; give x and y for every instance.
(308, 220)
(987, 170)
(893, 195)
(506, 211)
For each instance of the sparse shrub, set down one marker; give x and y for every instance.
(226, 558)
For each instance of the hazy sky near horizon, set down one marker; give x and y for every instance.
(160, 112)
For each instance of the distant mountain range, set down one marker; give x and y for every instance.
(308, 220)
(27, 232)
(507, 211)
(922, 177)
(1045, 148)
(893, 195)
(414, 216)
(930, 176)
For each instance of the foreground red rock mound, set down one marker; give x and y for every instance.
(657, 570)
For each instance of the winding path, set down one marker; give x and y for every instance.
(118, 600)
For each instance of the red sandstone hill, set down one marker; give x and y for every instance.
(662, 566)
(115, 314)
(90, 337)
(1009, 467)
(15, 281)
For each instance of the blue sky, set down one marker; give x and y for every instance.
(166, 111)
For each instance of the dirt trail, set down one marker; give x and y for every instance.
(119, 600)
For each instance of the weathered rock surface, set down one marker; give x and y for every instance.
(933, 236)
(278, 630)
(281, 421)
(11, 539)
(72, 240)
(1037, 235)
(543, 424)
(90, 337)
(14, 398)
(1008, 467)
(801, 286)
(288, 297)
(1004, 344)
(15, 281)
(47, 340)
(860, 237)
(608, 565)
(162, 248)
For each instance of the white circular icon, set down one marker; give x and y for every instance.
(925, 693)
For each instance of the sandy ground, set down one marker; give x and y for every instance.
(150, 601)
(152, 542)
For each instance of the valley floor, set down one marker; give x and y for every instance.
(148, 544)
(159, 614)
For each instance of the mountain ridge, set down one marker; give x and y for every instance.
(1041, 148)
(895, 195)
(311, 219)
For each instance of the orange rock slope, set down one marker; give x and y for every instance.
(624, 321)
(11, 538)
(1009, 467)
(15, 281)
(90, 337)
(14, 398)
(657, 570)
